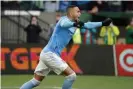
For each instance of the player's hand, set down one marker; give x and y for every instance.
(106, 22)
(78, 24)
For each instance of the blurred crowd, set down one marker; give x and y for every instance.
(107, 35)
(87, 5)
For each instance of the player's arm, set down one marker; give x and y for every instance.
(90, 25)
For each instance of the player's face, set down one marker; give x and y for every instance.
(76, 13)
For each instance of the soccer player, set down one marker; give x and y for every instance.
(50, 55)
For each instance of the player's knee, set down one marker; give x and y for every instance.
(72, 76)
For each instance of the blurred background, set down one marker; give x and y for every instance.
(102, 57)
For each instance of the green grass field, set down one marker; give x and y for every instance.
(82, 82)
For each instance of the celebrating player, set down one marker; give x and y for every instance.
(50, 55)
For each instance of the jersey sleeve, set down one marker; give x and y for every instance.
(90, 25)
(64, 22)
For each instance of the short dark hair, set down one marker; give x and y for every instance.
(69, 7)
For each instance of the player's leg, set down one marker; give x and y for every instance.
(70, 77)
(33, 82)
(59, 66)
(40, 73)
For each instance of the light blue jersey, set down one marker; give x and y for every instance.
(63, 33)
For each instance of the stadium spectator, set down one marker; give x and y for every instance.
(63, 5)
(92, 7)
(58, 16)
(109, 34)
(129, 33)
(51, 6)
(33, 30)
(77, 36)
(38, 4)
(127, 6)
(10, 5)
(114, 6)
(89, 36)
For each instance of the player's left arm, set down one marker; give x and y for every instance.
(90, 25)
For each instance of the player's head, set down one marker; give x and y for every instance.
(73, 12)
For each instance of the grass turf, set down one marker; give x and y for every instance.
(82, 82)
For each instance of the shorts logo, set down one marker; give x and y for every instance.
(126, 60)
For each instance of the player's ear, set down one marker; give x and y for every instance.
(70, 13)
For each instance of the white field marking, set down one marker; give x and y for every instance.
(47, 87)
